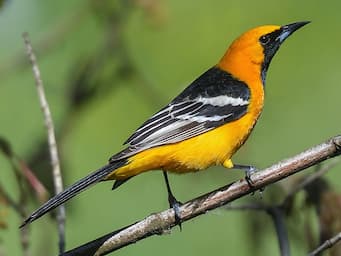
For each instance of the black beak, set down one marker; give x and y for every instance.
(287, 30)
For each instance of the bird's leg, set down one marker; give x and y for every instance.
(173, 203)
(249, 169)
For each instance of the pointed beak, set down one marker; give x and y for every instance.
(287, 30)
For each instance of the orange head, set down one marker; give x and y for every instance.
(249, 56)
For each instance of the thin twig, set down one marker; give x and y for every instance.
(20, 206)
(326, 245)
(158, 223)
(10, 201)
(57, 177)
(308, 180)
(33, 181)
(276, 213)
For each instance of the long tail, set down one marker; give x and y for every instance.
(73, 190)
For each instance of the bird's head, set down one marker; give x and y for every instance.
(253, 50)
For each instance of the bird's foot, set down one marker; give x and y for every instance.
(249, 170)
(175, 204)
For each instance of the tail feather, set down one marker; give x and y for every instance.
(73, 190)
(118, 183)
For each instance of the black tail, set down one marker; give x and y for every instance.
(73, 190)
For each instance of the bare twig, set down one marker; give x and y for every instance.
(10, 201)
(326, 245)
(277, 215)
(19, 208)
(33, 181)
(57, 178)
(308, 180)
(277, 211)
(158, 223)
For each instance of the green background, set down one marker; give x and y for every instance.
(169, 44)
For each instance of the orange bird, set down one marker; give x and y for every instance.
(203, 126)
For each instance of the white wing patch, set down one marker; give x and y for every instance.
(201, 119)
(222, 100)
(164, 131)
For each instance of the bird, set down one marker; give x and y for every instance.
(201, 127)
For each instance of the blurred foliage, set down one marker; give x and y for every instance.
(3, 213)
(108, 65)
(327, 204)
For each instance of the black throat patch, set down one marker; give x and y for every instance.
(270, 45)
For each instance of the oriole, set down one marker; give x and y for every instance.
(203, 126)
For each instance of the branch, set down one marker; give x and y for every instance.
(307, 181)
(159, 223)
(276, 213)
(19, 206)
(10, 201)
(326, 245)
(57, 178)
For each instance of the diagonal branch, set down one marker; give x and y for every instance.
(276, 212)
(277, 215)
(326, 245)
(308, 180)
(57, 177)
(159, 223)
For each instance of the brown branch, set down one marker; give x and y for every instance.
(308, 180)
(159, 223)
(57, 177)
(11, 202)
(20, 206)
(277, 211)
(326, 245)
(277, 215)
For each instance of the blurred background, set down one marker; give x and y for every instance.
(109, 65)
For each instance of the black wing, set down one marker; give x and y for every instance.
(214, 99)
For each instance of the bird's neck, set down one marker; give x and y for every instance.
(245, 67)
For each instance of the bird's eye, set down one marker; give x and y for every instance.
(264, 40)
